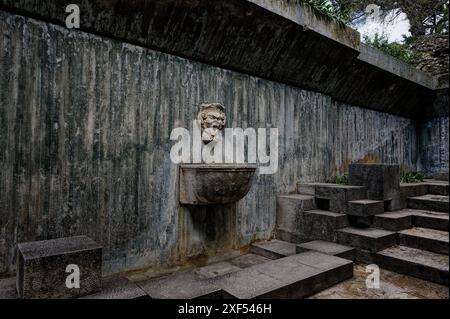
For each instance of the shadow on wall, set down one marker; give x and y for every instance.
(206, 231)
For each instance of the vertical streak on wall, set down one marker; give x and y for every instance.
(84, 145)
(433, 145)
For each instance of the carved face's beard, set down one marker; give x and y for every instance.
(210, 134)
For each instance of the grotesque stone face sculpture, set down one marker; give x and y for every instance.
(212, 119)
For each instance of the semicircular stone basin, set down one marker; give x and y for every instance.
(205, 184)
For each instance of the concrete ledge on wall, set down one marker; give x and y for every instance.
(282, 41)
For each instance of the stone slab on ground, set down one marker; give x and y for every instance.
(217, 269)
(41, 269)
(182, 285)
(295, 276)
(365, 208)
(371, 239)
(249, 260)
(8, 288)
(426, 239)
(382, 180)
(328, 248)
(415, 262)
(322, 224)
(429, 219)
(273, 249)
(437, 203)
(118, 288)
(394, 221)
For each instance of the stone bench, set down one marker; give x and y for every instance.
(49, 269)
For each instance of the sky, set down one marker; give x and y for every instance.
(394, 25)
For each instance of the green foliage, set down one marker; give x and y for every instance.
(331, 9)
(342, 180)
(412, 177)
(437, 23)
(395, 49)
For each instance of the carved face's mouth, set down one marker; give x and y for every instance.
(215, 125)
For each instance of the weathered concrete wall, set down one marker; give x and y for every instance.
(85, 145)
(433, 141)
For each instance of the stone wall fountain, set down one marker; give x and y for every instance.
(213, 183)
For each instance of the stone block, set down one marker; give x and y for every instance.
(289, 209)
(394, 221)
(413, 189)
(365, 208)
(273, 249)
(432, 220)
(339, 192)
(322, 225)
(382, 180)
(296, 276)
(42, 268)
(437, 203)
(425, 239)
(436, 187)
(328, 248)
(371, 239)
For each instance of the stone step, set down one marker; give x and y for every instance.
(313, 224)
(413, 189)
(438, 203)
(365, 208)
(394, 221)
(432, 220)
(293, 277)
(332, 191)
(118, 288)
(436, 187)
(327, 248)
(273, 249)
(415, 262)
(407, 218)
(368, 239)
(425, 239)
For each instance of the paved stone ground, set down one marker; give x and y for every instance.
(392, 286)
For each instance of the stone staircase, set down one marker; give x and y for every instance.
(407, 233)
